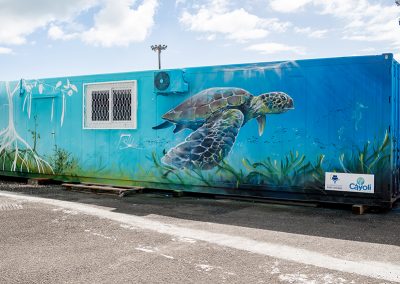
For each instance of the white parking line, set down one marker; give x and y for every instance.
(379, 270)
(10, 206)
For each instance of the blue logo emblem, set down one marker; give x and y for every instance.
(360, 185)
(334, 178)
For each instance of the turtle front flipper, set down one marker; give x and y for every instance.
(208, 145)
(261, 124)
(165, 124)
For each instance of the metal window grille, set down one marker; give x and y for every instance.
(110, 105)
(100, 105)
(122, 105)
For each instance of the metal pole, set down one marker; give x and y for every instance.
(158, 48)
(159, 59)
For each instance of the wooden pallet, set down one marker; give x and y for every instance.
(40, 181)
(359, 209)
(268, 201)
(121, 191)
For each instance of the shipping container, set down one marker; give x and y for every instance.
(321, 130)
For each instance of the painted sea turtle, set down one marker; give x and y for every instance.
(216, 115)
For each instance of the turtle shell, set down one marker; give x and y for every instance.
(204, 104)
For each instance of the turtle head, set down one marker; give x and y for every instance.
(271, 103)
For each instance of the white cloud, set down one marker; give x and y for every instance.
(237, 24)
(366, 21)
(368, 50)
(311, 32)
(209, 37)
(18, 19)
(375, 23)
(180, 2)
(117, 24)
(5, 50)
(57, 33)
(288, 6)
(274, 47)
(359, 20)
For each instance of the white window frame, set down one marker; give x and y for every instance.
(88, 88)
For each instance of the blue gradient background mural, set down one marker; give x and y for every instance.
(342, 105)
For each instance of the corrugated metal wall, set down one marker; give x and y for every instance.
(396, 128)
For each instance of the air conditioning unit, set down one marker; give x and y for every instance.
(170, 82)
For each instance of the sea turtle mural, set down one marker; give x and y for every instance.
(216, 116)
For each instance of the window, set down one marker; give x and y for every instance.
(110, 105)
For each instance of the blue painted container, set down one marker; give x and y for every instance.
(316, 130)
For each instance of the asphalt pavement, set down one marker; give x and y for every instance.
(49, 235)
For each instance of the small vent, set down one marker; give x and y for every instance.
(100, 105)
(122, 105)
(162, 81)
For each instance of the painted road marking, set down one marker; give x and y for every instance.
(10, 206)
(378, 270)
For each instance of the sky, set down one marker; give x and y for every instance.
(51, 38)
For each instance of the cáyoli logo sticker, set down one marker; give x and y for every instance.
(361, 183)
